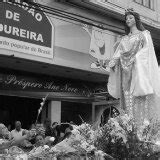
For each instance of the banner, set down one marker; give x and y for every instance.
(25, 28)
(16, 82)
(101, 48)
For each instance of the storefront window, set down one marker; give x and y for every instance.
(146, 3)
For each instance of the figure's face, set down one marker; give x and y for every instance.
(39, 141)
(130, 20)
(18, 125)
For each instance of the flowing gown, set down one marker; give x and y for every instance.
(135, 78)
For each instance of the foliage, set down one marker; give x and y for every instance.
(122, 139)
(82, 138)
(119, 138)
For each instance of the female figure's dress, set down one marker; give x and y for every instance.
(135, 78)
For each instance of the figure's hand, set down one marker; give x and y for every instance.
(111, 63)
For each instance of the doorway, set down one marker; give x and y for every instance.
(13, 108)
(76, 112)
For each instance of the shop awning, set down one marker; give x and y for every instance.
(63, 96)
(22, 85)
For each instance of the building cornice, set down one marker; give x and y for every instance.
(114, 10)
(121, 11)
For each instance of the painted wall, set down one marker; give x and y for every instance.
(71, 44)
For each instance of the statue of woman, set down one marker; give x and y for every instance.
(134, 74)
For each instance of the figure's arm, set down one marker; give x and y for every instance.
(143, 65)
(140, 44)
(19, 140)
(115, 59)
(16, 141)
(145, 44)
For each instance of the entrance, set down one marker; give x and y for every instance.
(76, 112)
(14, 108)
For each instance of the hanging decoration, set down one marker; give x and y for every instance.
(41, 106)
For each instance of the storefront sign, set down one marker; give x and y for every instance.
(15, 82)
(25, 28)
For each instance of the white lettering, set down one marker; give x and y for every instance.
(9, 14)
(17, 1)
(25, 6)
(27, 36)
(14, 15)
(8, 2)
(19, 32)
(31, 11)
(9, 29)
(22, 33)
(11, 79)
(33, 35)
(39, 37)
(15, 31)
(38, 17)
(1, 27)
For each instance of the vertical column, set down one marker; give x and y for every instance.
(54, 111)
(93, 113)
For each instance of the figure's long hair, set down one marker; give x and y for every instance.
(137, 19)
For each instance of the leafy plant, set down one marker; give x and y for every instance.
(121, 138)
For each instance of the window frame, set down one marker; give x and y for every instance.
(151, 4)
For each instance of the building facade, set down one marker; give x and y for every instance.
(60, 50)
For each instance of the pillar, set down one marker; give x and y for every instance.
(54, 111)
